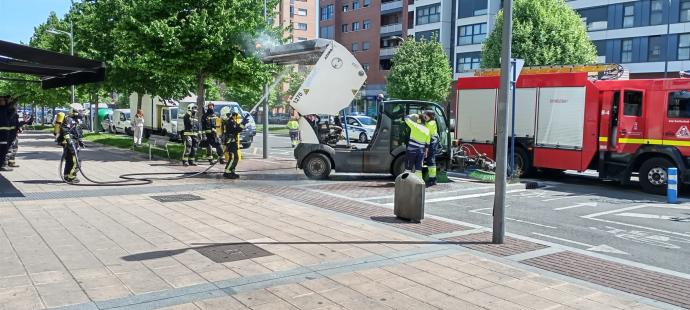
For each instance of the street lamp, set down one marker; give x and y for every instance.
(70, 34)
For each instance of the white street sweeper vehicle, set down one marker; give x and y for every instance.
(334, 80)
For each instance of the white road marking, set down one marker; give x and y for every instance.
(596, 248)
(564, 240)
(468, 196)
(511, 219)
(567, 197)
(584, 204)
(594, 216)
(646, 216)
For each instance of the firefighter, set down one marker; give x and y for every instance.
(208, 125)
(190, 136)
(293, 126)
(417, 144)
(430, 122)
(14, 135)
(69, 136)
(5, 129)
(232, 127)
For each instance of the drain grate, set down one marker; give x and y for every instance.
(177, 198)
(232, 252)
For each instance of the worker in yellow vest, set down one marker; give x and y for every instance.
(293, 126)
(430, 122)
(417, 144)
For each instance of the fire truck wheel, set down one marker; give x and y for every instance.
(317, 166)
(653, 176)
(522, 162)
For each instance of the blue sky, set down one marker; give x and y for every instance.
(19, 17)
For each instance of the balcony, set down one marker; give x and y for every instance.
(388, 6)
(391, 28)
(388, 51)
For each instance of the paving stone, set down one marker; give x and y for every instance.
(220, 303)
(256, 297)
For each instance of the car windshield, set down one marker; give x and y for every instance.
(233, 108)
(367, 121)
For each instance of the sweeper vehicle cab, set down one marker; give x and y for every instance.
(334, 80)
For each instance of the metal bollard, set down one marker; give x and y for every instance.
(672, 190)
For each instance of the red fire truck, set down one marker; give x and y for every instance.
(567, 121)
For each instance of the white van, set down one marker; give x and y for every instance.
(122, 121)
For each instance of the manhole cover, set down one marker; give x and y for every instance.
(177, 198)
(232, 252)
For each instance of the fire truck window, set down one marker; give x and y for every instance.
(679, 104)
(632, 103)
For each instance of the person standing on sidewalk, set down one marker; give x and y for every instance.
(69, 137)
(293, 126)
(417, 144)
(14, 134)
(5, 128)
(209, 125)
(232, 127)
(190, 136)
(430, 121)
(138, 127)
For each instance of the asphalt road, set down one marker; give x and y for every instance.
(575, 210)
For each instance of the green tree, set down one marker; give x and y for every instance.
(420, 71)
(545, 32)
(201, 39)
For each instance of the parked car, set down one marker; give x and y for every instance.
(360, 128)
(122, 122)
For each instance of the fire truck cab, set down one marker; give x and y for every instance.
(565, 121)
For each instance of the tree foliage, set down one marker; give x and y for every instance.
(545, 32)
(420, 71)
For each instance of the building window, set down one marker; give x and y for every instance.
(355, 5)
(327, 12)
(595, 18)
(432, 35)
(628, 16)
(429, 14)
(301, 26)
(367, 3)
(366, 24)
(656, 16)
(626, 50)
(684, 47)
(365, 45)
(344, 27)
(656, 48)
(326, 32)
(345, 7)
(355, 26)
(355, 47)
(684, 11)
(469, 8)
(471, 34)
(467, 61)
(365, 67)
(301, 12)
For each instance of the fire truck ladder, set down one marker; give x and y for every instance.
(601, 71)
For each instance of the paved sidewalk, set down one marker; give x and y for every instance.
(256, 243)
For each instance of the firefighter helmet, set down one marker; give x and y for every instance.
(225, 113)
(191, 107)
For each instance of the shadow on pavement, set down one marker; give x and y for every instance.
(7, 189)
(41, 181)
(168, 253)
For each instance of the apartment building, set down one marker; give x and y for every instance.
(300, 16)
(371, 29)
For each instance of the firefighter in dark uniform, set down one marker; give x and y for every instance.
(5, 128)
(209, 124)
(14, 135)
(190, 136)
(232, 127)
(69, 136)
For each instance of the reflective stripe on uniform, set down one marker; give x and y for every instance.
(7, 128)
(190, 134)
